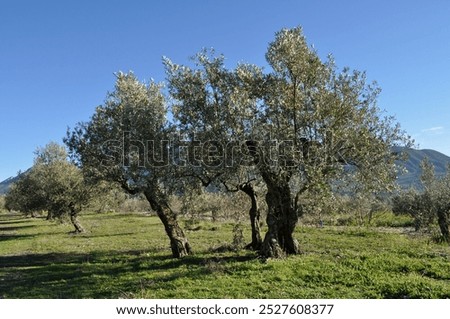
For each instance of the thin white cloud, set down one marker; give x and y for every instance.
(434, 130)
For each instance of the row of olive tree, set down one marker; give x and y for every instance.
(430, 204)
(297, 128)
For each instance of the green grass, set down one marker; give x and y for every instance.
(389, 219)
(127, 256)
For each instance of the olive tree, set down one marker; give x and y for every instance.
(333, 127)
(431, 203)
(208, 119)
(53, 184)
(442, 205)
(23, 195)
(126, 141)
(301, 126)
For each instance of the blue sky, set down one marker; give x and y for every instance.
(57, 58)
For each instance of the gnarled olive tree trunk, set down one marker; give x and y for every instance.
(49, 215)
(178, 241)
(255, 215)
(282, 219)
(443, 221)
(73, 212)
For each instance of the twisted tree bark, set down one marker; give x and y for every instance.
(282, 219)
(255, 215)
(178, 241)
(74, 220)
(443, 221)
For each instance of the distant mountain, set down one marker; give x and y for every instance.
(6, 184)
(409, 179)
(412, 165)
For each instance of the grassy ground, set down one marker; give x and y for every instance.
(127, 256)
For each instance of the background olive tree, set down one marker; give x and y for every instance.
(430, 204)
(23, 196)
(53, 184)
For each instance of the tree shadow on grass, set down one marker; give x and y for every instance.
(10, 232)
(98, 274)
(15, 228)
(90, 235)
(5, 237)
(64, 275)
(21, 221)
(106, 216)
